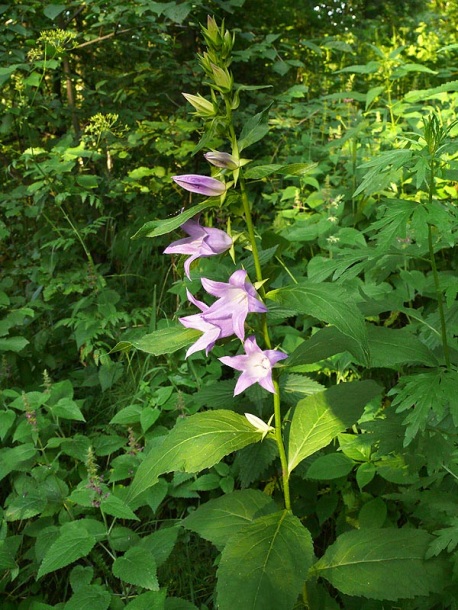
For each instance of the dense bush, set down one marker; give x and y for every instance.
(131, 476)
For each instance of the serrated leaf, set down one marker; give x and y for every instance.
(154, 228)
(219, 519)
(329, 303)
(166, 340)
(151, 600)
(114, 506)
(73, 543)
(254, 129)
(393, 347)
(89, 597)
(265, 564)
(385, 564)
(195, 443)
(317, 419)
(137, 567)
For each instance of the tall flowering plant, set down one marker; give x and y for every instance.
(262, 536)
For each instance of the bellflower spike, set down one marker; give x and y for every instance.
(236, 298)
(202, 242)
(256, 366)
(204, 185)
(212, 331)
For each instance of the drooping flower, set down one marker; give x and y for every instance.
(202, 242)
(204, 185)
(256, 366)
(236, 299)
(212, 331)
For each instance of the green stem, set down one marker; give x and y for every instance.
(281, 446)
(432, 258)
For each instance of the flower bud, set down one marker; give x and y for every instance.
(203, 107)
(222, 159)
(203, 185)
(222, 79)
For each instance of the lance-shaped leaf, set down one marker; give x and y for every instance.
(265, 564)
(195, 443)
(154, 228)
(317, 419)
(383, 564)
(329, 303)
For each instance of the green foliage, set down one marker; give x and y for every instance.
(130, 477)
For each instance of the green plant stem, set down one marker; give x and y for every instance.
(281, 446)
(432, 259)
(439, 298)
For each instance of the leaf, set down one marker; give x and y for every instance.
(15, 458)
(154, 228)
(372, 94)
(53, 10)
(137, 567)
(329, 303)
(151, 600)
(167, 340)
(328, 467)
(381, 564)
(89, 597)
(317, 419)
(393, 347)
(323, 344)
(66, 408)
(195, 443)
(254, 129)
(115, 507)
(13, 344)
(73, 543)
(219, 519)
(265, 564)
(425, 94)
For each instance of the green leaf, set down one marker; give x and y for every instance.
(323, 344)
(393, 347)
(254, 129)
(219, 519)
(73, 543)
(167, 340)
(13, 344)
(160, 543)
(329, 303)
(265, 564)
(25, 506)
(53, 10)
(8, 549)
(66, 408)
(137, 567)
(381, 564)
(114, 506)
(151, 600)
(195, 443)
(372, 94)
(15, 458)
(331, 466)
(7, 418)
(89, 597)
(317, 419)
(154, 228)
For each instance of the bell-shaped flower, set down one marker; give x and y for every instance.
(256, 366)
(222, 159)
(202, 242)
(212, 331)
(236, 299)
(204, 185)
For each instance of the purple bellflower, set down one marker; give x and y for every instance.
(204, 185)
(212, 331)
(202, 241)
(235, 299)
(256, 366)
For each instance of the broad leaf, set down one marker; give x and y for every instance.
(154, 228)
(383, 564)
(89, 597)
(265, 564)
(330, 466)
(254, 129)
(73, 543)
(221, 518)
(323, 344)
(392, 347)
(317, 419)
(137, 567)
(151, 600)
(329, 303)
(197, 442)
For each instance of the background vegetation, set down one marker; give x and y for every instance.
(93, 126)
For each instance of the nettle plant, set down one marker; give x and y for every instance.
(267, 558)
